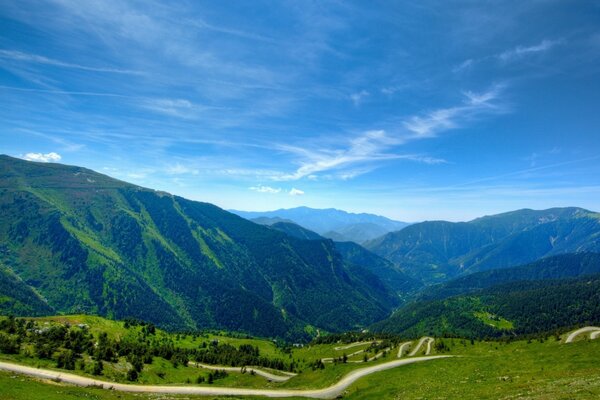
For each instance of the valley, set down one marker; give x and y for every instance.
(104, 284)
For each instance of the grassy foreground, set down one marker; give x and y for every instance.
(535, 369)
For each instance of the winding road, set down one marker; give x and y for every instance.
(595, 332)
(401, 348)
(325, 393)
(418, 347)
(257, 371)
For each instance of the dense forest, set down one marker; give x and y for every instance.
(512, 309)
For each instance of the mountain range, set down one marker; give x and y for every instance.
(436, 251)
(335, 224)
(76, 241)
(83, 242)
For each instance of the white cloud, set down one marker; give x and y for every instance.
(450, 118)
(180, 169)
(520, 51)
(265, 189)
(41, 157)
(34, 58)
(174, 107)
(362, 152)
(463, 66)
(365, 148)
(358, 97)
(296, 192)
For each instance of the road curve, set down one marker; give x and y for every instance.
(401, 348)
(325, 393)
(418, 346)
(354, 345)
(585, 329)
(257, 371)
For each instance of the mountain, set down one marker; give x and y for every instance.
(16, 297)
(437, 251)
(294, 230)
(516, 308)
(555, 267)
(87, 243)
(360, 257)
(333, 223)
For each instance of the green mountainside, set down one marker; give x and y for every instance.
(360, 257)
(555, 267)
(437, 251)
(88, 243)
(521, 308)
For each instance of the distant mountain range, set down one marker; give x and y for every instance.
(73, 241)
(330, 223)
(437, 251)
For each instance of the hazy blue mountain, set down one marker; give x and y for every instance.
(269, 220)
(89, 243)
(355, 227)
(436, 251)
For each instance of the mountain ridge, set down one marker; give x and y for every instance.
(90, 243)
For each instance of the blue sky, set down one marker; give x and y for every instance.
(436, 110)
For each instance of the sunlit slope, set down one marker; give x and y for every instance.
(89, 243)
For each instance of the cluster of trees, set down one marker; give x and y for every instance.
(67, 345)
(353, 337)
(226, 354)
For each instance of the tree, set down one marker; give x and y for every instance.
(132, 375)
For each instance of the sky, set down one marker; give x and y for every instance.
(434, 110)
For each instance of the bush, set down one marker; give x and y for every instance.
(132, 375)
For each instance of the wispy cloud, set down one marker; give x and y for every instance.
(510, 55)
(180, 169)
(34, 58)
(265, 189)
(520, 51)
(296, 192)
(42, 157)
(452, 117)
(365, 148)
(377, 146)
(358, 97)
(181, 108)
(468, 63)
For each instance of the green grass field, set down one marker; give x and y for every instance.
(520, 369)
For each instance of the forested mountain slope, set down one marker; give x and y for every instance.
(555, 267)
(355, 254)
(437, 251)
(90, 243)
(526, 307)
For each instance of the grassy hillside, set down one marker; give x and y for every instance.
(517, 308)
(437, 251)
(536, 369)
(89, 243)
